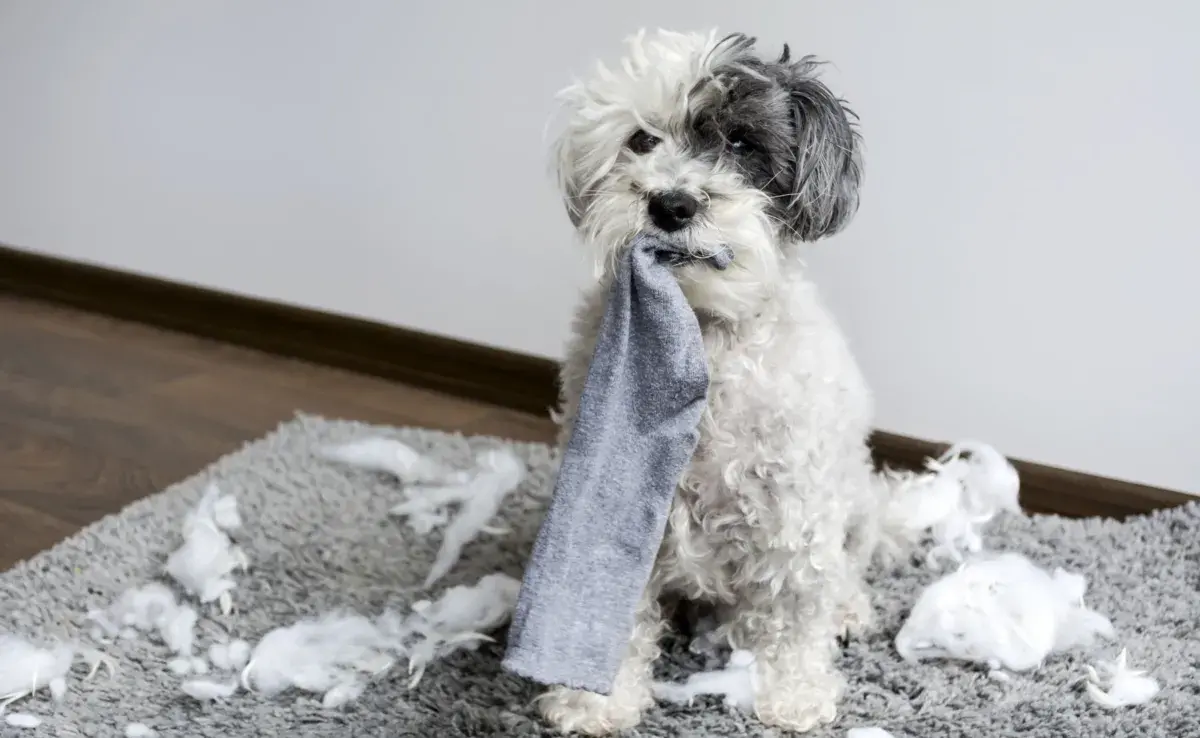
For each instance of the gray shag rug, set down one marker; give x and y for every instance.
(320, 539)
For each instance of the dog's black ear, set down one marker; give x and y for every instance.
(828, 164)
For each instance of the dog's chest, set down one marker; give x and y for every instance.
(786, 420)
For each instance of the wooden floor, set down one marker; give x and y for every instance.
(96, 413)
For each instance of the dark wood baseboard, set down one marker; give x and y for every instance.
(435, 362)
(455, 367)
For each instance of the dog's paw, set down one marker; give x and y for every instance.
(800, 705)
(588, 713)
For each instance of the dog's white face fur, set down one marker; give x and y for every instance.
(762, 152)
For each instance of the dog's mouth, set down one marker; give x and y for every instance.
(677, 255)
(676, 260)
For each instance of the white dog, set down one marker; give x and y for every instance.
(696, 138)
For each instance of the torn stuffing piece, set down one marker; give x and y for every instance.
(965, 488)
(179, 631)
(215, 508)
(140, 608)
(427, 508)
(398, 459)
(139, 730)
(499, 472)
(999, 675)
(207, 558)
(319, 655)
(736, 683)
(459, 619)
(22, 720)
(342, 694)
(238, 652)
(208, 691)
(181, 666)
(1125, 686)
(58, 685)
(479, 494)
(232, 656)
(337, 655)
(871, 732)
(150, 608)
(26, 668)
(1001, 611)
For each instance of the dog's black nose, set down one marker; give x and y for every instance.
(672, 210)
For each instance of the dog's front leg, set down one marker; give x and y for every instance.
(798, 685)
(579, 711)
(793, 632)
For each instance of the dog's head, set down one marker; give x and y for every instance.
(699, 139)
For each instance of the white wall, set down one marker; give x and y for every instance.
(1022, 268)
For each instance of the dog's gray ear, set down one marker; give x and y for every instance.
(828, 164)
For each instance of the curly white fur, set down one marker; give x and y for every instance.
(780, 511)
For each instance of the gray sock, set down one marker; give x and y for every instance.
(633, 436)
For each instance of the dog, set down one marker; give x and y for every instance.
(699, 139)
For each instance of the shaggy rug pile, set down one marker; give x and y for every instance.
(319, 539)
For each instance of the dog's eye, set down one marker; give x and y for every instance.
(740, 142)
(642, 142)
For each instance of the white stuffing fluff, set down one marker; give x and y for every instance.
(342, 694)
(425, 521)
(395, 458)
(179, 632)
(151, 607)
(319, 655)
(139, 730)
(966, 487)
(58, 686)
(736, 683)
(224, 512)
(94, 660)
(239, 653)
(26, 668)
(181, 666)
(143, 609)
(218, 654)
(1001, 611)
(499, 472)
(214, 508)
(231, 656)
(208, 691)
(868, 733)
(427, 508)
(1125, 686)
(22, 720)
(459, 619)
(479, 494)
(207, 558)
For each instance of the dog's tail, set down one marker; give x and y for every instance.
(899, 533)
(876, 533)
